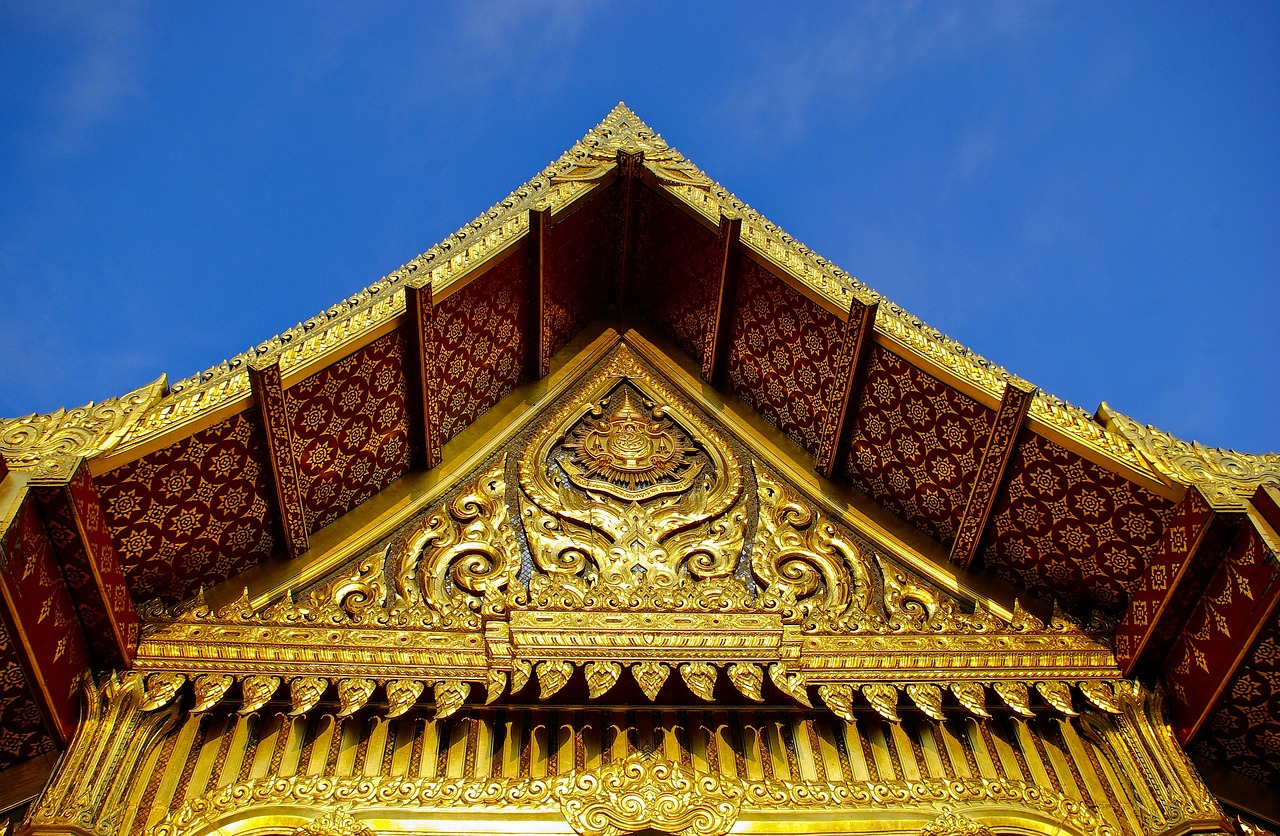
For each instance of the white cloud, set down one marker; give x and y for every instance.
(789, 78)
(100, 70)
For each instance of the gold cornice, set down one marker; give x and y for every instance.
(89, 430)
(1226, 477)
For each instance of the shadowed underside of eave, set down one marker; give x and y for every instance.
(269, 453)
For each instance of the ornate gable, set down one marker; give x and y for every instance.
(623, 530)
(620, 489)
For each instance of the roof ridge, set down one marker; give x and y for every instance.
(565, 179)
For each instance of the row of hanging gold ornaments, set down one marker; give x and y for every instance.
(354, 693)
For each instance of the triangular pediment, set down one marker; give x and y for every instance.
(621, 443)
(623, 536)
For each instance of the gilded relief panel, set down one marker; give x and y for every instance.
(621, 620)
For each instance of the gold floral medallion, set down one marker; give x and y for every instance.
(627, 453)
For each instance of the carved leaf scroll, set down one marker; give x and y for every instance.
(644, 791)
(809, 571)
(462, 559)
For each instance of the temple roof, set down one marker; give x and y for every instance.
(278, 464)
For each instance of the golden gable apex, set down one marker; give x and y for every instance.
(145, 416)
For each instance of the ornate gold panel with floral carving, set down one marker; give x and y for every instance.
(624, 619)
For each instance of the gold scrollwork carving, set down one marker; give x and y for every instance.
(644, 791)
(747, 678)
(552, 676)
(809, 571)
(160, 690)
(955, 824)
(402, 695)
(460, 560)
(450, 695)
(927, 697)
(85, 431)
(1225, 477)
(626, 500)
(353, 693)
(256, 691)
(334, 823)
(209, 689)
(601, 676)
(305, 693)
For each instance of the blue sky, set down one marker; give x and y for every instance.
(1086, 193)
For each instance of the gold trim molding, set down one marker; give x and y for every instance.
(1226, 478)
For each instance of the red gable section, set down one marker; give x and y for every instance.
(916, 445)
(39, 614)
(22, 731)
(73, 517)
(481, 338)
(581, 264)
(1244, 733)
(350, 429)
(194, 513)
(783, 353)
(1067, 528)
(676, 261)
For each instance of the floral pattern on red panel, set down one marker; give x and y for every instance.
(1234, 602)
(916, 445)
(1064, 527)
(22, 731)
(350, 429)
(1192, 543)
(192, 514)
(102, 600)
(1244, 733)
(581, 267)
(783, 354)
(676, 271)
(45, 615)
(482, 342)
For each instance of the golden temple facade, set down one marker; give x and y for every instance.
(620, 511)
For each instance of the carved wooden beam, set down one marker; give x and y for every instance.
(72, 513)
(991, 471)
(539, 338)
(268, 392)
(1241, 599)
(716, 348)
(629, 167)
(422, 373)
(1190, 548)
(842, 414)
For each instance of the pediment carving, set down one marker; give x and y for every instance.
(626, 532)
